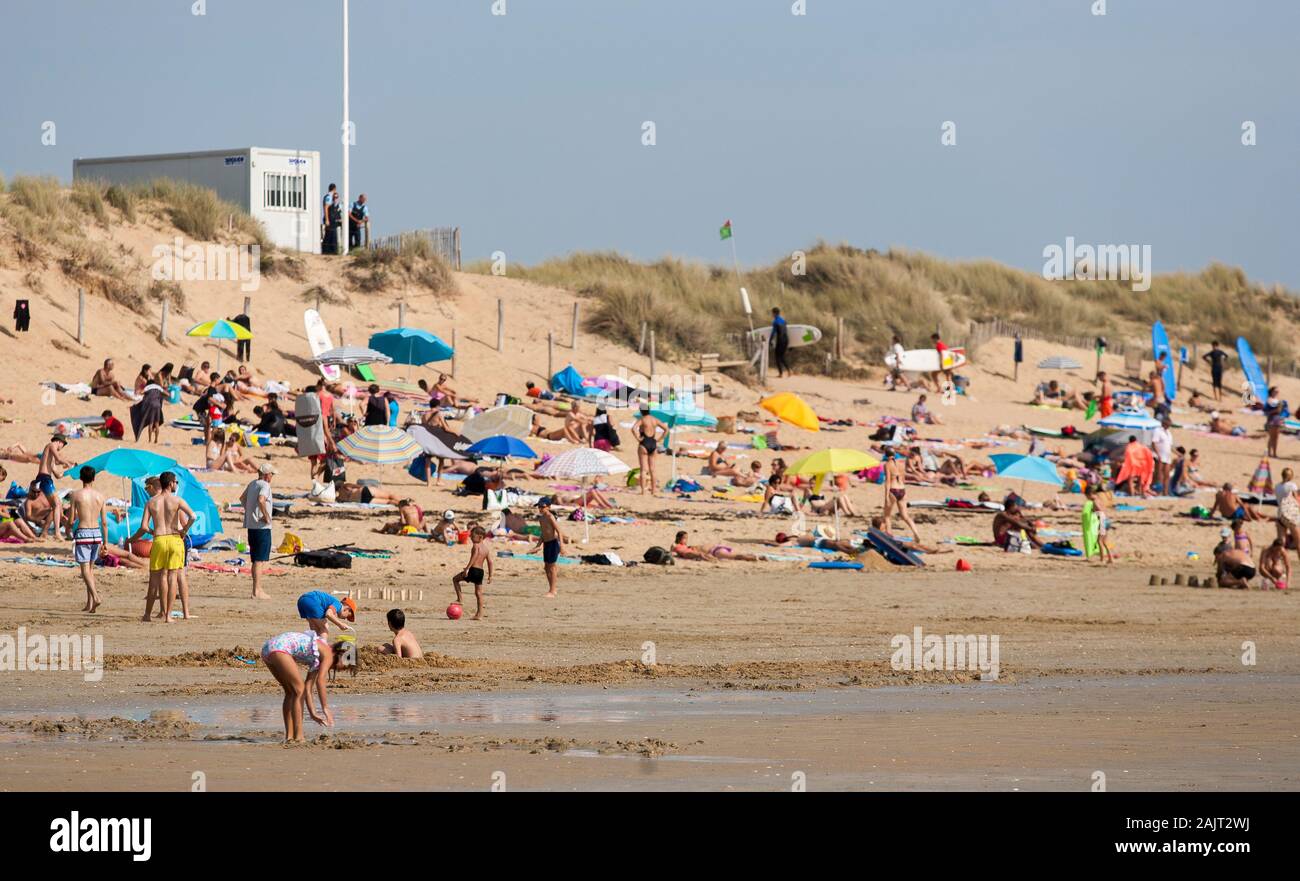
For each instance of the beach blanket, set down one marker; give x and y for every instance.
(76, 389)
(1140, 464)
(42, 560)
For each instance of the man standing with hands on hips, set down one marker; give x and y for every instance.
(257, 520)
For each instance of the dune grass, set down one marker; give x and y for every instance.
(371, 270)
(696, 308)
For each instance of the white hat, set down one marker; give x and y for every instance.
(449, 515)
(218, 398)
(267, 468)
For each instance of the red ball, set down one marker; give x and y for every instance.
(454, 611)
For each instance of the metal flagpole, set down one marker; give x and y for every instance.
(347, 138)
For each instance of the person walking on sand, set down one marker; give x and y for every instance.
(896, 493)
(648, 430)
(1288, 510)
(92, 525)
(1217, 359)
(479, 560)
(550, 543)
(780, 340)
(1276, 413)
(169, 519)
(257, 520)
(51, 461)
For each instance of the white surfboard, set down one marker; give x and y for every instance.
(318, 337)
(926, 360)
(800, 334)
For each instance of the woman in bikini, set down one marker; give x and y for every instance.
(896, 493)
(648, 430)
(283, 654)
(718, 552)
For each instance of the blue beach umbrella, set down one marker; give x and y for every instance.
(502, 446)
(406, 345)
(1034, 469)
(129, 463)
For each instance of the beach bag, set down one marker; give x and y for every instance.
(634, 478)
(324, 560)
(323, 492)
(1288, 511)
(658, 556)
(603, 559)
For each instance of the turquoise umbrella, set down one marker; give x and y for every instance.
(406, 345)
(679, 412)
(127, 462)
(1034, 469)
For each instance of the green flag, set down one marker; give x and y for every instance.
(725, 232)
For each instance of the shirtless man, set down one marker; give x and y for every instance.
(88, 540)
(821, 544)
(1106, 393)
(896, 493)
(753, 478)
(648, 430)
(551, 544)
(1220, 424)
(1233, 568)
(105, 385)
(168, 518)
(718, 464)
(51, 461)
(1012, 521)
(577, 425)
(445, 395)
(1226, 504)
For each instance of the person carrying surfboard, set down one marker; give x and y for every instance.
(945, 370)
(780, 339)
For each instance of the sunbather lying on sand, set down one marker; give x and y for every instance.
(18, 453)
(821, 544)
(352, 492)
(1220, 424)
(717, 552)
(1199, 402)
(12, 525)
(592, 498)
(819, 504)
(225, 453)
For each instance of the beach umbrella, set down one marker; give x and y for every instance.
(207, 516)
(1059, 362)
(1033, 469)
(129, 463)
(407, 345)
(582, 463)
(220, 329)
(350, 356)
(436, 443)
(789, 407)
(1129, 420)
(380, 445)
(681, 412)
(511, 420)
(833, 461)
(502, 446)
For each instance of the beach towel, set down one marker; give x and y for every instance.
(311, 428)
(148, 411)
(1139, 463)
(1091, 530)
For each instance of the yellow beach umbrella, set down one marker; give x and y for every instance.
(835, 461)
(220, 329)
(789, 407)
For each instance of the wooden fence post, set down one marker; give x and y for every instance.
(454, 347)
(162, 329)
(81, 316)
(575, 326)
(248, 305)
(652, 355)
(501, 325)
(550, 353)
(640, 349)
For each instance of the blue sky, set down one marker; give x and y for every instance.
(525, 129)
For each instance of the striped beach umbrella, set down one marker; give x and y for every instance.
(380, 445)
(220, 329)
(582, 463)
(350, 356)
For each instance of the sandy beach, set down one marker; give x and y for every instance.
(703, 675)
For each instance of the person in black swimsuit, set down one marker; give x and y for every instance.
(647, 432)
(1217, 358)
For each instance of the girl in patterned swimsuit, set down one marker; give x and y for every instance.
(282, 654)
